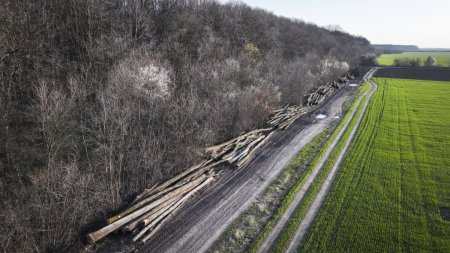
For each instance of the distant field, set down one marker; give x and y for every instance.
(442, 58)
(395, 179)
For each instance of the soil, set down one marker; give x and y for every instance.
(445, 213)
(434, 74)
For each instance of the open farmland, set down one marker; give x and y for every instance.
(394, 185)
(442, 58)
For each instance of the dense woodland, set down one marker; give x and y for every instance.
(101, 99)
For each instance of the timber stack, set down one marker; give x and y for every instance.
(154, 207)
(283, 118)
(319, 95)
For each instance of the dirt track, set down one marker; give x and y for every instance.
(202, 221)
(271, 238)
(321, 195)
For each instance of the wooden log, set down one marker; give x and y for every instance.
(229, 155)
(177, 184)
(245, 151)
(154, 217)
(217, 147)
(172, 180)
(187, 178)
(250, 155)
(101, 233)
(171, 210)
(163, 206)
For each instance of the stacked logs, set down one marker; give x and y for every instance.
(154, 207)
(321, 93)
(325, 90)
(283, 118)
(241, 149)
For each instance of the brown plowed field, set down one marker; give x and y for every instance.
(435, 74)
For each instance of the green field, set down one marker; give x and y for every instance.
(286, 235)
(396, 176)
(442, 58)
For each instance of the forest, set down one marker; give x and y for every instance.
(102, 99)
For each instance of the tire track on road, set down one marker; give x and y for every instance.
(321, 195)
(272, 237)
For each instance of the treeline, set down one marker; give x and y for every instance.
(415, 62)
(101, 99)
(408, 62)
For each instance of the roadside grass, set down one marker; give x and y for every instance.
(294, 190)
(238, 236)
(442, 58)
(288, 232)
(395, 177)
(241, 235)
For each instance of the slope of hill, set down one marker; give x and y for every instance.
(101, 99)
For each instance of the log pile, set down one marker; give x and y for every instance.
(324, 91)
(335, 84)
(319, 95)
(154, 207)
(283, 118)
(241, 149)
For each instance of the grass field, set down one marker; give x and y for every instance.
(396, 176)
(442, 58)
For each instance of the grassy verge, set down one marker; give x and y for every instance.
(294, 190)
(288, 232)
(244, 229)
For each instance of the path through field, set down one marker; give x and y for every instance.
(321, 195)
(272, 237)
(195, 228)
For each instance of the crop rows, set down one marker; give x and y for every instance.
(292, 193)
(288, 232)
(395, 177)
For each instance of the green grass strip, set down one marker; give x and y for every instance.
(228, 241)
(294, 190)
(289, 231)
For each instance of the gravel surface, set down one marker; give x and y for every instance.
(207, 215)
(271, 238)
(321, 195)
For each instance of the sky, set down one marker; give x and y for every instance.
(423, 23)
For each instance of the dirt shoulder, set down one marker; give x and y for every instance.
(201, 223)
(321, 195)
(272, 237)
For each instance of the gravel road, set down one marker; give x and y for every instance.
(321, 195)
(272, 237)
(201, 223)
(207, 215)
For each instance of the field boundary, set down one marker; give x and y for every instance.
(269, 235)
(387, 193)
(323, 192)
(432, 74)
